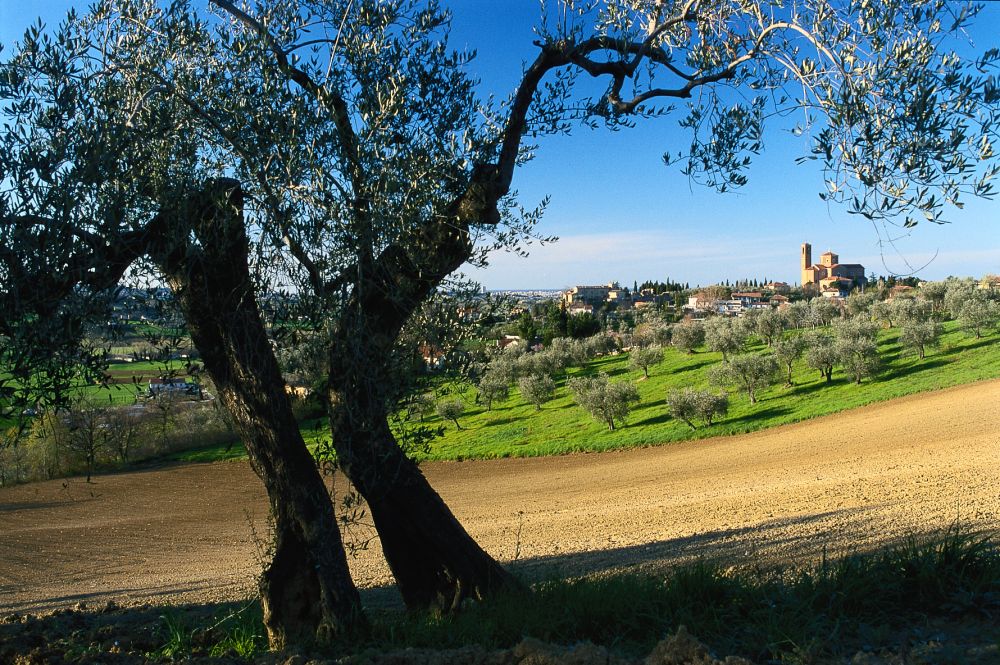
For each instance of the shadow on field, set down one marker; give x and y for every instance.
(802, 541)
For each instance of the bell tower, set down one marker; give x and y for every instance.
(806, 263)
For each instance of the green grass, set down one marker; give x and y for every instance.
(833, 609)
(515, 429)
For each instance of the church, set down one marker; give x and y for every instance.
(830, 274)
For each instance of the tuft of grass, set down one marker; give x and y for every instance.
(829, 610)
(240, 634)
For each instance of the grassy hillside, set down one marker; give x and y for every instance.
(514, 428)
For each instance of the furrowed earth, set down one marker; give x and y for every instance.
(850, 482)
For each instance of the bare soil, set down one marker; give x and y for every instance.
(847, 482)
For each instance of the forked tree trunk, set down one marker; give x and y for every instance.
(306, 591)
(436, 563)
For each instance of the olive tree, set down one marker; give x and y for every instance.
(750, 373)
(537, 389)
(608, 402)
(340, 149)
(724, 335)
(644, 356)
(856, 343)
(978, 313)
(786, 351)
(451, 409)
(687, 404)
(769, 326)
(918, 335)
(821, 355)
(688, 335)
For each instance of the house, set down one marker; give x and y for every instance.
(900, 290)
(830, 272)
(432, 356)
(748, 298)
(173, 386)
(580, 308)
(781, 288)
(702, 301)
(594, 296)
(990, 283)
(509, 340)
(778, 301)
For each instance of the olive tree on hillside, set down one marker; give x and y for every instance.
(339, 149)
(724, 335)
(748, 372)
(688, 335)
(610, 402)
(917, 336)
(978, 313)
(645, 356)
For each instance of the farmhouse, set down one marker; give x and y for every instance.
(175, 386)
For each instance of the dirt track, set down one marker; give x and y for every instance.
(849, 481)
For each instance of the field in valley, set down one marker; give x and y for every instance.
(852, 481)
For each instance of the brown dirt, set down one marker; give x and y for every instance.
(851, 481)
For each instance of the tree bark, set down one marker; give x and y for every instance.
(436, 563)
(306, 590)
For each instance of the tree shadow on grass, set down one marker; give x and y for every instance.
(500, 422)
(769, 412)
(955, 350)
(918, 367)
(804, 389)
(691, 367)
(652, 420)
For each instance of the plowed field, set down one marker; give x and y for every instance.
(851, 481)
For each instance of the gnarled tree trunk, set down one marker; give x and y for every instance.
(306, 591)
(434, 560)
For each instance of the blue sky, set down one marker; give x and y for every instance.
(621, 215)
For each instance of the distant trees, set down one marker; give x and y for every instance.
(606, 401)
